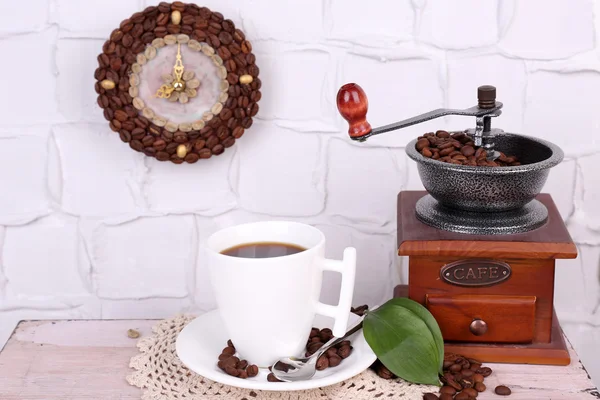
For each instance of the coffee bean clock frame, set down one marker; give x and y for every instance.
(137, 33)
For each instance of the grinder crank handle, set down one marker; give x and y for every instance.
(353, 105)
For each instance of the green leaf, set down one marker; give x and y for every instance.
(431, 323)
(399, 335)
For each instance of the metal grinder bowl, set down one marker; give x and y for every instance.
(490, 189)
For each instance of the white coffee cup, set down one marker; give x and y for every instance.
(268, 304)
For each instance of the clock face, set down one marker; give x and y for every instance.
(178, 82)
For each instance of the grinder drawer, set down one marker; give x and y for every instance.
(484, 318)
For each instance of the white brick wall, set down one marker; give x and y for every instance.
(91, 229)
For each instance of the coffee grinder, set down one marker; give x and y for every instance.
(481, 240)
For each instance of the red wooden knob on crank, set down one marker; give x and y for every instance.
(352, 103)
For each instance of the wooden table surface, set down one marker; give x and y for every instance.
(77, 360)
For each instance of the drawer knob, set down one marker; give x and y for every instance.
(478, 327)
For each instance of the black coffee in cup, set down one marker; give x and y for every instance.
(263, 250)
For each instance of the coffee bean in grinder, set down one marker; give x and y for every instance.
(481, 241)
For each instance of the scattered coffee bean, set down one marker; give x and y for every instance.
(485, 371)
(271, 378)
(252, 370)
(448, 390)
(502, 390)
(360, 310)
(322, 363)
(480, 387)
(230, 344)
(430, 396)
(461, 396)
(133, 334)
(382, 371)
(345, 351)
(335, 360)
(471, 392)
(228, 350)
(455, 368)
(445, 396)
(477, 378)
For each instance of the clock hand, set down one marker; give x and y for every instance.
(178, 85)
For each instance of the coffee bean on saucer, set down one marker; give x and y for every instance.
(344, 351)
(325, 334)
(502, 390)
(230, 344)
(252, 370)
(271, 378)
(313, 347)
(229, 370)
(315, 339)
(344, 343)
(242, 364)
(223, 356)
(335, 360)
(314, 332)
(228, 350)
(322, 363)
(229, 362)
(430, 396)
(331, 352)
(242, 374)
(360, 310)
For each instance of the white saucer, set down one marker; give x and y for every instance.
(199, 344)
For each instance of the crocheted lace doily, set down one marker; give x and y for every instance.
(162, 376)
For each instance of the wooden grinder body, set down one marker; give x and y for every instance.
(492, 296)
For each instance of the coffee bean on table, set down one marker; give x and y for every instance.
(480, 387)
(455, 368)
(502, 390)
(445, 396)
(430, 396)
(382, 371)
(448, 390)
(477, 378)
(461, 396)
(471, 392)
(485, 371)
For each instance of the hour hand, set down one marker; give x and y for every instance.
(164, 92)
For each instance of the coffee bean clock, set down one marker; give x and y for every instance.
(178, 82)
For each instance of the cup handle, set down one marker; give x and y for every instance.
(340, 313)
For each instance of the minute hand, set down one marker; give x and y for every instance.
(178, 68)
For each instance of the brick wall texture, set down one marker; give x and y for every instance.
(91, 229)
